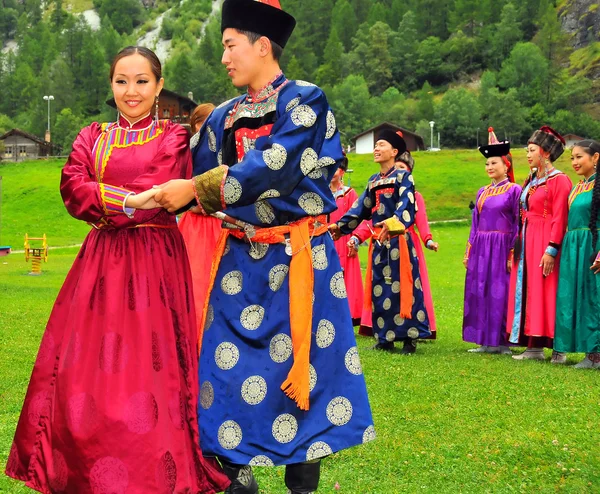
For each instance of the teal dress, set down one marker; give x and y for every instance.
(578, 304)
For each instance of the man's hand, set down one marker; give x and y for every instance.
(143, 200)
(352, 247)
(384, 235)
(335, 231)
(174, 194)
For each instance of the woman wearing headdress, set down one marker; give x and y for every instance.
(578, 303)
(488, 257)
(345, 197)
(111, 404)
(199, 231)
(534, 275)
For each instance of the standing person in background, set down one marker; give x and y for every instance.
(393, 272)
(344, 198)
(404, 162)
(534, 275)
(199, 231)
(489, 255)
(112, 401)
(578, 303)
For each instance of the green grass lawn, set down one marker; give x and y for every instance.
(446, 420)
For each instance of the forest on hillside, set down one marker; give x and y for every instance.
(466, 64)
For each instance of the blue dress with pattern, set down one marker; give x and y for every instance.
(387, 195)
(281, 146)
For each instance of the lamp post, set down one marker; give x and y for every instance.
(48, 99)
(431, 124)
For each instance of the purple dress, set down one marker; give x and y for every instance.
(493, 233)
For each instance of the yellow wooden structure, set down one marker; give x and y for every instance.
(36, 254)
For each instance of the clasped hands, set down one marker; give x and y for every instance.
(172, 196)
(384, 234)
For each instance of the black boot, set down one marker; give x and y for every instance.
(409, 346)
(242, 478)
(388, 346)
(303, 478)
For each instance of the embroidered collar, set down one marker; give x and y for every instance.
(341, 192)
(141, 124)
(500, 184)
(590, 180)
(388, 173)
(267, 90)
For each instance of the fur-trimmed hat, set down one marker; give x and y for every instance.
(394, 138)
(550, 141)
(264, 17)
(407, 159)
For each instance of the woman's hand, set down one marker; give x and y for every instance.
(384, 235)
(434, 246)
(509, 266)
(547, 264)
(596, 267)
(143, 200)
(352, 248)
(335, 231)
(466, 262)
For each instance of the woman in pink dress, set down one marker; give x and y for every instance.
(534, 275)
(406, 162)
(345, 197)
(200, 232)
(111, 404)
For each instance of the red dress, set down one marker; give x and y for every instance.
(532, 297)
(364, 232)
(344, 198)
(111, 404)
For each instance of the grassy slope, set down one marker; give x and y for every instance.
(31, 200)
(446, 420)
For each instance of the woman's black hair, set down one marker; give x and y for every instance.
(591, 147)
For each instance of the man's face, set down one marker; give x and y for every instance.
(242, 59)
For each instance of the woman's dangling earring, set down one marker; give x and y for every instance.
(156, 109)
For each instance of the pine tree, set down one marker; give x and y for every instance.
(343, 20)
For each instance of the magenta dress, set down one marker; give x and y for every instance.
(111, 404)
(344, 198)
(493, 232)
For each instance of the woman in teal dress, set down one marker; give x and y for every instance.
(578, 304)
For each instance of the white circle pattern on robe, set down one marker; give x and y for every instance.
(264, 212)
(387, 304)
(220, 157)
(277, 276)
(390, 336)
(418, 284)
(339, 411)
(317, 450)
(280, 348)
(210, 317)
(275, 157)
(402, 190)
(377, 290)
(303, 115)
(377, 259)
(411, 179)
(413, 333)
(261, 461)
(232, 190)
(311, 203)
(338, 286)
(421, 316)
(285, 428)
(293, 104)
(225, 103)
(232, 283)
(406, 216)
(369, 434)
(207, 395)
(381, 209)
(380, 322)
(212, 139)
(252, 317)
(254, 390)
(398, 320)
(368, 203)
(230, 434)
(331, 125)
(387, 271)
(194, 140)
(309, 161)
(258, 251)
(269, 194)
(395, 254)
(411, 197)
(319, 258)
(352, 361)
(325, 333)
(226, 355)
(300, 82)
(313, 377)
(396, 287)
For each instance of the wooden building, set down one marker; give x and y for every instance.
(20, 146)
(171, 106)
(365, 141)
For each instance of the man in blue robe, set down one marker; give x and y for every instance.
(280, 376)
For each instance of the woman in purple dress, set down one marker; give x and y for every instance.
(489, 252)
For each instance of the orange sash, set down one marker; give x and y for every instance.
(406, 278)
(301, 281)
